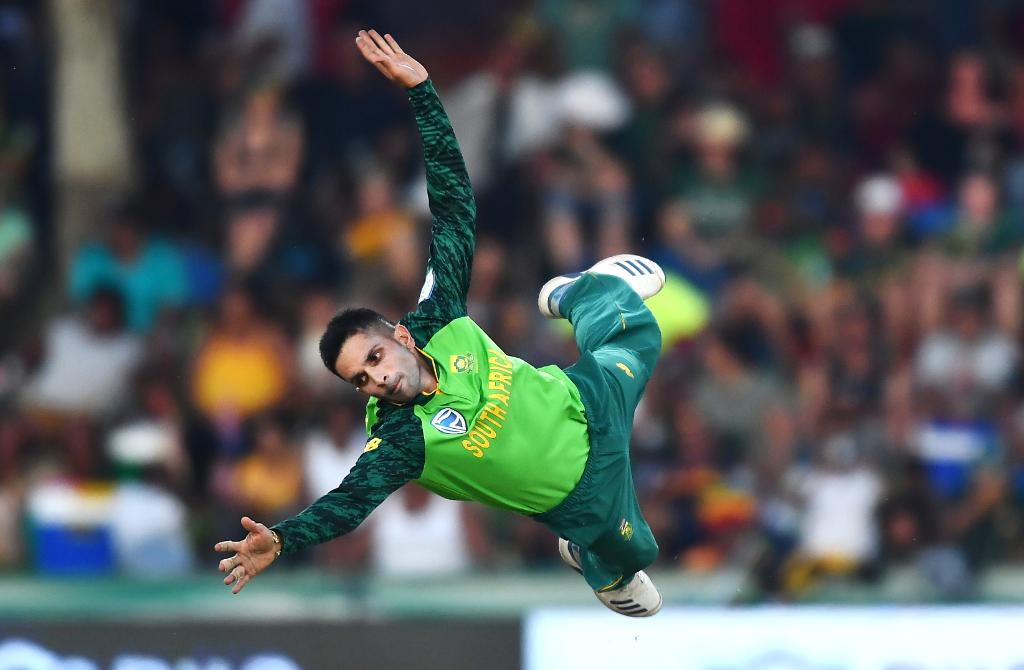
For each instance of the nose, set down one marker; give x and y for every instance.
(380, 378)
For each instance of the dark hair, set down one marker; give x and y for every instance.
(110, 296)
(344, 325)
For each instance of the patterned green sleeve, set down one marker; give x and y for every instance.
(453, 213)
(394, 455)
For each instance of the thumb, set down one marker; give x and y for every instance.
(249, 525)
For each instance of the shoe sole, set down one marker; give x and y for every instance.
(549, 287)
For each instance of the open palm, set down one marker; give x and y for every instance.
(385, 55)
(253, 554)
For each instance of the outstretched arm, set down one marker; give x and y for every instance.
(393, 456)
(452, 205)
(384, 467)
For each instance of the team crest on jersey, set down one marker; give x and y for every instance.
(461, 363)
(449, 422)
(626, 529)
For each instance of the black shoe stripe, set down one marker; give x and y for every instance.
(636, 266)
(628, 601)
(625, 267)
(632, 612)
(644, 266)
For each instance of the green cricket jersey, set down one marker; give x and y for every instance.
(497, 430)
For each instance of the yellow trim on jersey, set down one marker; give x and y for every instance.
(433, 364)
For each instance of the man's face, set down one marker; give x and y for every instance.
(381, 364)
(104, 315)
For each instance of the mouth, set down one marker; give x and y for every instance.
(394, 389)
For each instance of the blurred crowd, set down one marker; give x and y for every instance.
(835, 187)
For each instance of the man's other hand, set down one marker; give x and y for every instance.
(388, 57)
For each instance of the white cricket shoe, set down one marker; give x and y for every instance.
(642, 274)
(638, 598)
(570, 553)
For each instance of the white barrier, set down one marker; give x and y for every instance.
(779, 638)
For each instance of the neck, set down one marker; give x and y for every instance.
(428, 379)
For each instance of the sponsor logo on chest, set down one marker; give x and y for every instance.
(449, 422)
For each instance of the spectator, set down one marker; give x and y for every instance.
(275, 36)
(853, 369)
(148, 520)
(588, 30)
(327, 456)
(839, 497)
(83, 377)
(733, 396)
(678, 248)
(969, 363)
(719, 189)
(815, 76)
(317, 309)
(149, 273)
(980, 228)
(244, 365)
(88, 362)
(696, 510)
(415, 533)
(963, 467)
(269, 480)
(258, 153)
(587, 187)
(384, 233)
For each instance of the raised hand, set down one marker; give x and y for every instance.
(385, 55)
(252, 555)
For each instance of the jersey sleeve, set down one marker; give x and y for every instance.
(453, 219)
(393, 456)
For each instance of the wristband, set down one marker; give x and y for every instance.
(277, 541)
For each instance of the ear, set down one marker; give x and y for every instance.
(406, 339)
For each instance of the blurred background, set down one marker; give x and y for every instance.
(190, 189)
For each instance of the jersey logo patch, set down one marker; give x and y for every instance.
(372, 444)
(449, 422)
(461, 363)
(626, 529)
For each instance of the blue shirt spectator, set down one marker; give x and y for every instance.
(149, 273)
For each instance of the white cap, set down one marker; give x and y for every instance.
(879, 194)
(593, 100)
(142, 443)
(721, 123)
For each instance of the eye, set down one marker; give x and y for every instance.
(375, 356)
